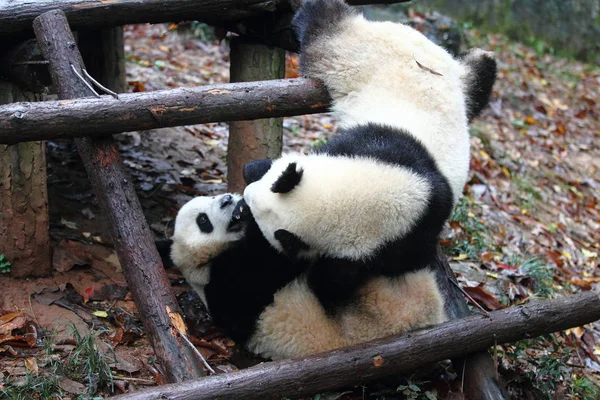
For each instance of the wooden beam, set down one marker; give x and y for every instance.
(133, 240)
(355, 365)
(16, 16)
(22, 122)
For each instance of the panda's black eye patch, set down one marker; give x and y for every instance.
(204, 223)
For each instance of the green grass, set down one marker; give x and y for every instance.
(85, 364)
(474, 237)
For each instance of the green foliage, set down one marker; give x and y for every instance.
(205, 32)
(542, 274)
(4, 265)
(412, 391)
(528, 193)
(473, 237)
(85, 363)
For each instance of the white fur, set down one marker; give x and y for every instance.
(192, 249)
(372, 73)
(380, 202)
(295, 325)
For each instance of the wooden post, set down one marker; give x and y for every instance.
(477, 370)
(134, 244)
(256, 139)
(24, 223)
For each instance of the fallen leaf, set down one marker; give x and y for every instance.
(71, 386)
(482, 296)
(32, 365)
(101, 314)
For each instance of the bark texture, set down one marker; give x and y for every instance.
(355, 365)
(134, 244)
(258, 138)
(24, 223)
(21, 122)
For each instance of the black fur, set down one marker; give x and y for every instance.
(255, 170)
(243, 281)
(288, 180)
(164, 251)
(291, 244)
(418, 248)
(317, 19)
(479, 81)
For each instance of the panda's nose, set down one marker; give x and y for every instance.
(226, 200)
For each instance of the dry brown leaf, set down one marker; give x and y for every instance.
(482, 296)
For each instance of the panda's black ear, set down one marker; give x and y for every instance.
(255, 170)
(290, 243)
(288, 180)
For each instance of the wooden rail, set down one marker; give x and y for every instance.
(16, 16)
(22, 122)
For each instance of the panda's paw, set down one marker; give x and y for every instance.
(318, 18)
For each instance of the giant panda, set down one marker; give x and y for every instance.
(263, 300)
(374, 199)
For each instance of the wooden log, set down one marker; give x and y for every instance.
(257, 138)
(134, 244)
(476, 370)
(355, 365)
(21, 122)
(16, 16)
(24, 222)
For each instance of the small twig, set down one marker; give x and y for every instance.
(185, 338)
(426, 68)
(84, 81)
(496, 358)
(95, 82)
(139, 380)
(472, 300)
(462, 380)
(40, 62)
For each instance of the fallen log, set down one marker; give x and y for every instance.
(356, 365)
(131, 235)
(22, 122)
(16, 16)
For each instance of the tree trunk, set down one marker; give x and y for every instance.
(24, 223)
(21, 122)
(356, 365)
(258, 138)
(134, 244)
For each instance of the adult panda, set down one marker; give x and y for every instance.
(263, 300)
(374, 199)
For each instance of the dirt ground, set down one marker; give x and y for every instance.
(528, 226)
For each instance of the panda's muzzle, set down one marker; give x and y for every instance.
(239, 216)
(226, 200)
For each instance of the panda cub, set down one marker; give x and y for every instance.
(262, 299)
(374, 199)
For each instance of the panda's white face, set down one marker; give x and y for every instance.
(335, 206)
(203, 230)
